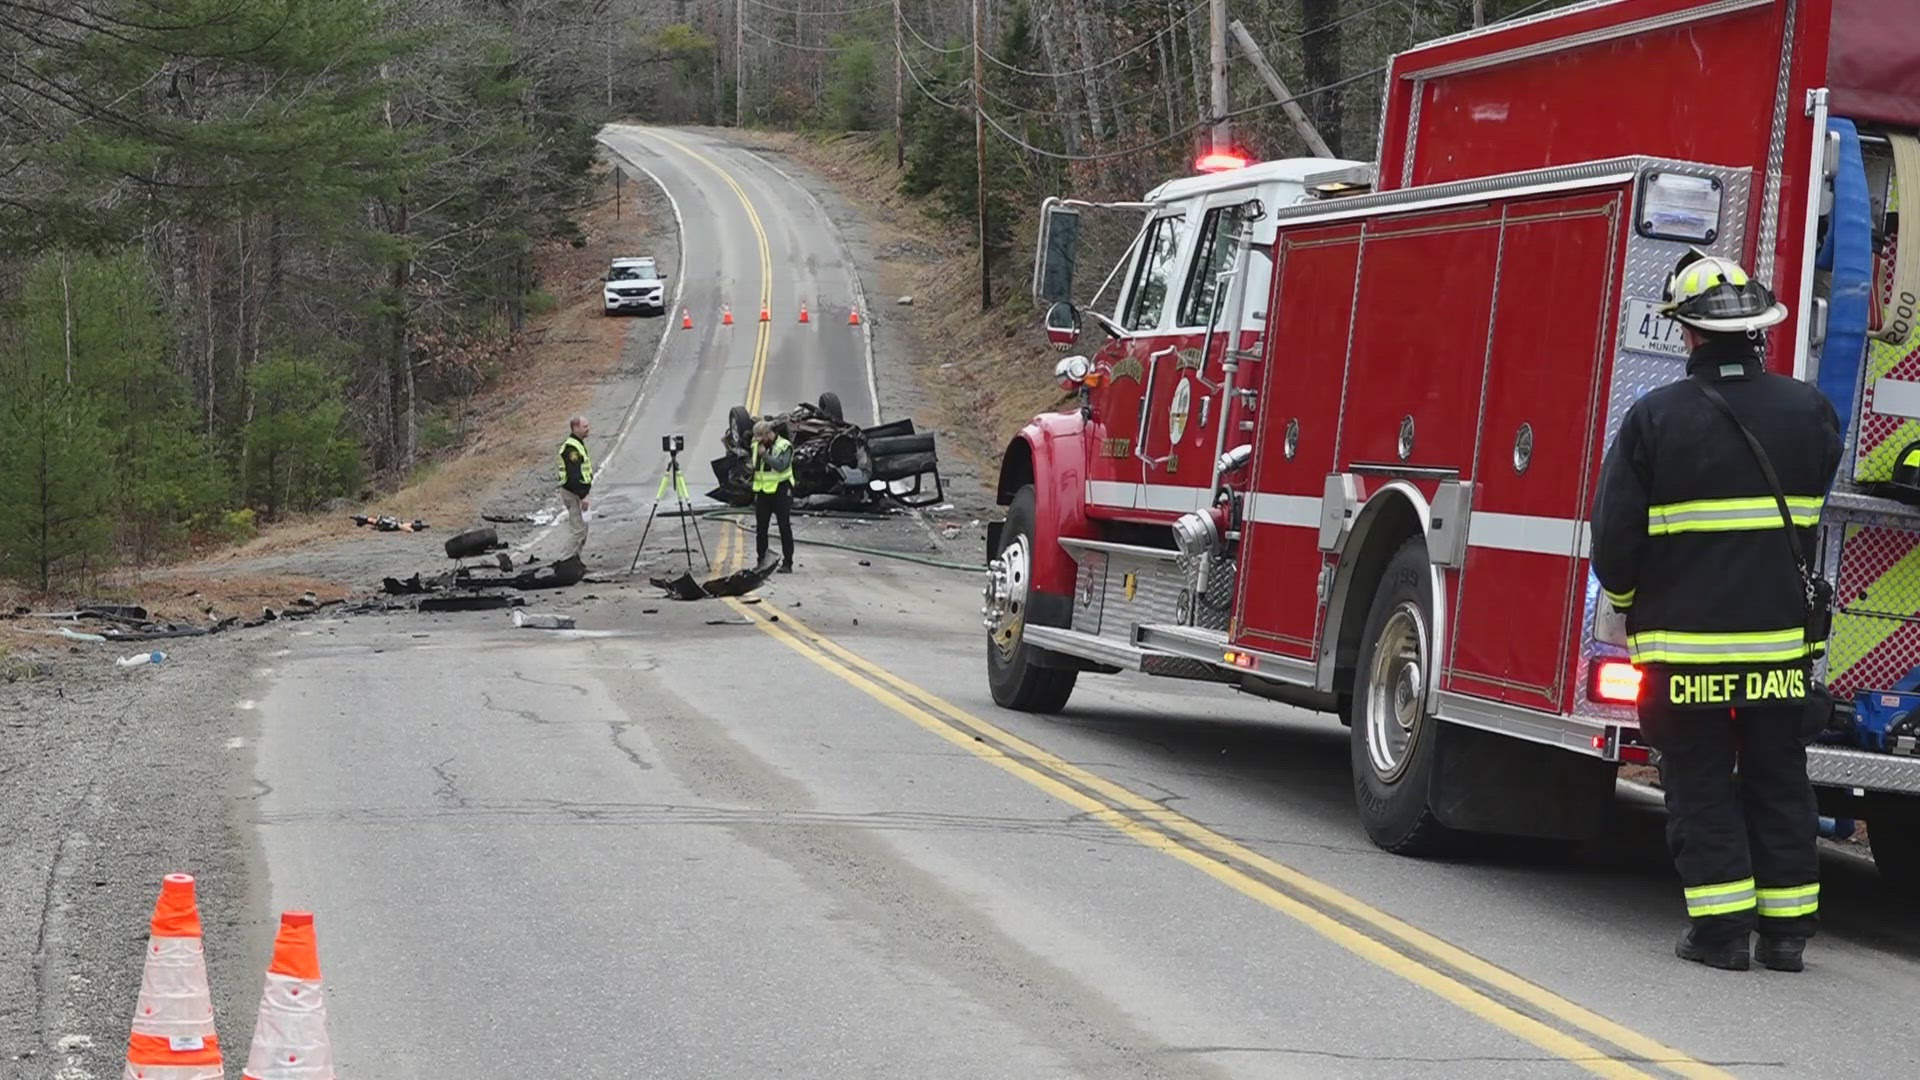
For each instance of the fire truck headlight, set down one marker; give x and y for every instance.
(1235, 459)
(1072, 371)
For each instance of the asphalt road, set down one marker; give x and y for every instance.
(795, 838)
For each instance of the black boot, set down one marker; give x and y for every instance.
(1733, 955)
(786, 568)
(1782, 953)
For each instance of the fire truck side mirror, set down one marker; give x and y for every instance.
(1063, 325)
(1058, 253)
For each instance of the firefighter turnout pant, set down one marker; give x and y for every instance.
(1741, 817)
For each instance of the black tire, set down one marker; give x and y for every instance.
(1393, 787)
(740, 422)
(467, 543)
(1017, 679)
(1893, 833)
(830, 404)
(902, 466)
(900, 444)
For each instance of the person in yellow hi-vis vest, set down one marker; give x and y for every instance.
(576, 480)
(773, 491)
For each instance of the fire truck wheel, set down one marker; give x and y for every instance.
(1014, 668)
(1893, 833)
(1394, 740)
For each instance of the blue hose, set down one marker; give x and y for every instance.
(1848, 252)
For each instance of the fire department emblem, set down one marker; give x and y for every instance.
(1178, 412)
(1187, 360)
(1129, 367)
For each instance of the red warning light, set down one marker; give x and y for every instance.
(1616, 680)
(1220, 161)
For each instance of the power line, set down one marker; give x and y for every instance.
(794, 44)
(862, 9)
(904, 21)
(1109, 62)
(1182, 133)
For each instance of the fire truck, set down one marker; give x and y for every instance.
(1338, 440)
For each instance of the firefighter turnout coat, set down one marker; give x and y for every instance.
(1688, 539)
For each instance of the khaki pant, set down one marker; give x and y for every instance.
(576, 526)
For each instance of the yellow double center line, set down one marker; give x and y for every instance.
(1491, 993)
(732, 544)
(1483, 989)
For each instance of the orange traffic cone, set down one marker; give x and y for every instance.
(803, 313)
(853, 317)
(290, 1038)
(726, 315)
(686, 319)
(764, 315)
(173, 1037)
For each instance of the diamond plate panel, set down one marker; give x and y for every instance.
(1213, 609)
(1138, 591)
(1837, 767)
(1089, 591)
(1648, 265)
(1776, 153)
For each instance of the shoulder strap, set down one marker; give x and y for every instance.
(1766, 468)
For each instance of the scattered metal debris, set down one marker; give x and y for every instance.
(470, 602)
(389, 524)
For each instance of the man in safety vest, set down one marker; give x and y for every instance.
(773, 491)
(576, 480)
(1690, 542)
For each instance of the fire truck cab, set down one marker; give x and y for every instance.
(1339, 443)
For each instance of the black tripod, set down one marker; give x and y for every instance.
(675, 479)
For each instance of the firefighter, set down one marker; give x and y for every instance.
(576, 480)
(1690, 543)
(773, 490)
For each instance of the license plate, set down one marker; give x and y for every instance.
(1649, 331)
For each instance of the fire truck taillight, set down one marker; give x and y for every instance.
(1616, 681)
(1220, 161)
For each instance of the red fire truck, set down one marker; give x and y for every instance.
(1338, 440)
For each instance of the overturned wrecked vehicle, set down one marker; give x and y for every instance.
(835, 464)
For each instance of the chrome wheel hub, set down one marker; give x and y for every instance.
(1006, 596)
(1396, 691)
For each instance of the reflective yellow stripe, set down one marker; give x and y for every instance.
(1678, 647)
(1730, 515)
(1789, 903)
(1623, 600)
(1722, 889)
(1722, 899)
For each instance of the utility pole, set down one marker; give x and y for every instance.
(1217, 57)
(1308, 133)
(1479, 13)
(899, 99)
(739, 69)
(980, 155)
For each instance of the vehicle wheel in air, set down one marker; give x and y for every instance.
(1893, 833)
(740, 422)
(1394, 742)
(467, 543)
(1013, 666)
(830, 404)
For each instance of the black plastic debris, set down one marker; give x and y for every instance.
(470, 602)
